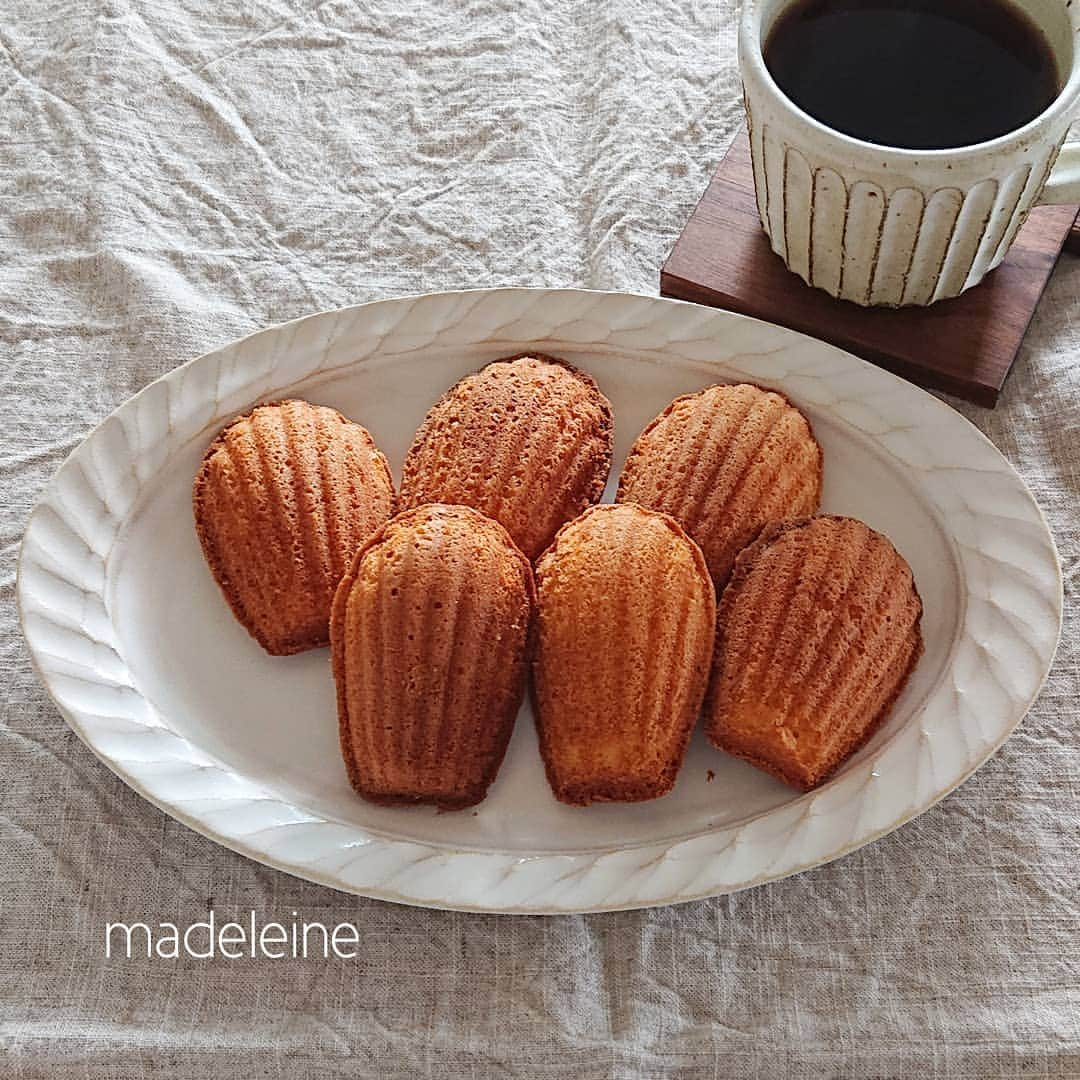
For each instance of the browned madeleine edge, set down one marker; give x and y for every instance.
(616, 793)
(606, 429)
(744, 564)
(337, 660)
(210, 552)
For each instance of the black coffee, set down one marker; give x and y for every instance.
(923, 74)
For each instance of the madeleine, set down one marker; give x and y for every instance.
(817, 633)
(724, 463)
(429, 642)
(283, 498)
(625, 621)
(526, 441)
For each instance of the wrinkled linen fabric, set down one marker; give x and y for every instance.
(176, 174)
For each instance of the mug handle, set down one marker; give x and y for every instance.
(1063, 187)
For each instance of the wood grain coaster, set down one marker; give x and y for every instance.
(963, 346)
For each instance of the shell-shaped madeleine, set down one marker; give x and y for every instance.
(526, 440)
(429, 641)
(283, 498)
(817, 632)
(724, 463)
(625, 621)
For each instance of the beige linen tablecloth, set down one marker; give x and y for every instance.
(178, 173)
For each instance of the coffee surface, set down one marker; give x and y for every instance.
(919, 74)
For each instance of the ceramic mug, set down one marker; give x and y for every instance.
(880, 225)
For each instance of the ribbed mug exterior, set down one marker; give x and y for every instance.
(880, 226)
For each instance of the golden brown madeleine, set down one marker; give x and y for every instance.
(625, 622)
(527, 441)
(283, 498)
(429, 639)
(725, 462)
(817, 633)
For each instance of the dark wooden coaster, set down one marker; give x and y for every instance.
(963, 346)
(1072, 241)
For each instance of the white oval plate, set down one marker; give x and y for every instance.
(132, 639)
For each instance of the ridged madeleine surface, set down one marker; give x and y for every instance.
(283, 498)
(429, 640)
(625, 623)
(817, 633)
(725, 462)
(527, 441)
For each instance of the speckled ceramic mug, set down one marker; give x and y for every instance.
(879, 225)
